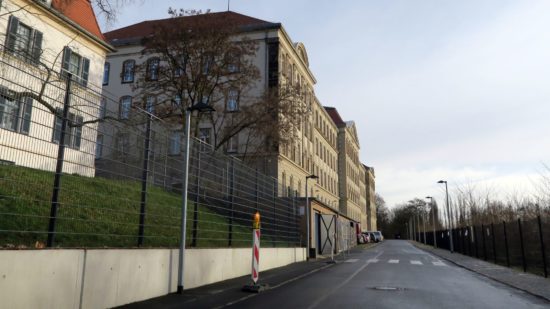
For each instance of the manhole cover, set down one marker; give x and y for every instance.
(387, 288)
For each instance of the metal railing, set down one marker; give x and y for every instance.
(521, 244)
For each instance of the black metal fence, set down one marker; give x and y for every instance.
(521, 244)
(82, 168)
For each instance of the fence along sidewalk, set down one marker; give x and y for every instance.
(120, 175)
(521, 244)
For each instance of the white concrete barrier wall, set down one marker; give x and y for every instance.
(112, 277)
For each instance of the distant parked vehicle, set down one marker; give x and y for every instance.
(375, 236)
(366, 237)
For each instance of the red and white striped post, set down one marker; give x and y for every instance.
(255, 255)
(255, 273)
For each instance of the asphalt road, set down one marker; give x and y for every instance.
(394, 274)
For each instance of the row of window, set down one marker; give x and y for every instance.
(25, 42)
(125, 104)
(153, 65)
(15, 115)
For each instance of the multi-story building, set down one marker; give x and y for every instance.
(371, 204)
(43, 42)
(281, 62)
(351, 174)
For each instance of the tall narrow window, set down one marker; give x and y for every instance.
(106, 71)
(23, 41)
(122, 144)
(128, 71)
(125, 106)
(233, 100)
(103, 108)
(233, 144)
(150, 104)
(73, 131)
(76, 65)
(204, 135)
(175, 143)
(153, 69)
(99, 146)
(15, 115)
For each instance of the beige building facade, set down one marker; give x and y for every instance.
(371, 199)
(323, 145)
(59, 37)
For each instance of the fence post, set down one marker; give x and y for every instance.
(274, 235)
(474, 235)
(506, 244)
(484, 246)
(144, 178)
(494, 244)
(231, 201)
(197, 194)
(59, 165)
(522, 247)
(542, 248)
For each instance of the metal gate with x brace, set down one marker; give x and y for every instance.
(327, 233)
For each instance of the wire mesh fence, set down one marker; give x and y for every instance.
(81, 168)
(521, 244)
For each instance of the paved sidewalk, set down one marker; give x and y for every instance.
(228, 292)
(532, 284)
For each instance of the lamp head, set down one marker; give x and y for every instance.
(442, 181)
(312, 177)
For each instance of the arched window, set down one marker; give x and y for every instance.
(128, 68)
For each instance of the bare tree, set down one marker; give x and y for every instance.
(197, 57)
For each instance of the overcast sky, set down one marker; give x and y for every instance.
(455, 90)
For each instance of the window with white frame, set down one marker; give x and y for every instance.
(128, 67)
(175, 143)
(150, 104)
(124, 108)
(103, 108)
(153, 69)
(177, 100)
(204, 135)
(73, 129)
(232, 100)
(233, 143)
(76, 65)
(23, 41)
(122, 143)
(15, 114)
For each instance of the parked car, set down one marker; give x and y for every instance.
(375, 236)
(366, 237)
(379, 234)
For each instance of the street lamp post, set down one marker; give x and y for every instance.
(307, 213)
(433, 215)
(200, 107)
(448, 215)
(424, 226)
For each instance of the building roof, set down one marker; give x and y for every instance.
(146, 28)
(81, 13)
(333, 113)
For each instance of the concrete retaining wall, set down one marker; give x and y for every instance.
(112, 277)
